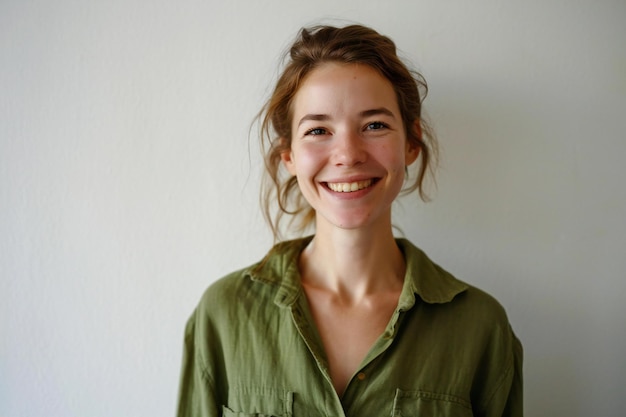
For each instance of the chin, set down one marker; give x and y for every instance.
(352, 222)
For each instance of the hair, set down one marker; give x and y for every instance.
(354, 44)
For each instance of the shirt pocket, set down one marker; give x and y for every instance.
(259, 402)
(227, 412)
(427, 404)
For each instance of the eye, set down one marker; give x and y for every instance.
(315, 131)
(376, 126)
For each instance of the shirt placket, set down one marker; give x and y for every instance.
(355, 392)
(304, 324)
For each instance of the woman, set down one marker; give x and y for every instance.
(350, 321)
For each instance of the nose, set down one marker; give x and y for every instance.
(349, 149)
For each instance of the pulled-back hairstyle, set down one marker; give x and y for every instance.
(313, 47)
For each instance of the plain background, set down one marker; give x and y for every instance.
(128, 183)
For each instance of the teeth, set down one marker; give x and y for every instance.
(348, 187)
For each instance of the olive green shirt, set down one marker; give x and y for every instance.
(252, 349)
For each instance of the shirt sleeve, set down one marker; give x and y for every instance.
(515, 400)
(196, 395)
(507, 399)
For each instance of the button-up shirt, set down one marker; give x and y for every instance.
(252, 349)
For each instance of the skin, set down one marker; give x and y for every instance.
(347, 129)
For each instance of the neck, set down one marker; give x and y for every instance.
(353, 263)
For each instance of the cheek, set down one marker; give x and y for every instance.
(308, 160)
(392, 157)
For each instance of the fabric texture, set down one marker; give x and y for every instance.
(252, 349)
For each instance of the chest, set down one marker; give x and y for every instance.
(286, 377)
(348, 331)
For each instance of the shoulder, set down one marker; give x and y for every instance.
(479, 304)
(256, 287)
(231, 285)
(230, 295)
(437, 290)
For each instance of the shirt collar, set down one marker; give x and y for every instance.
(280, 268)
(423, 277)
(426, 279)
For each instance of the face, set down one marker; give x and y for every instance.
(348, 147)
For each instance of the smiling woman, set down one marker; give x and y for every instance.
(348, 147)
(350, 321)
(327, 45)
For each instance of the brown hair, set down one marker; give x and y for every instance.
(313, 47)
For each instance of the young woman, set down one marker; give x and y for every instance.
(349, 321)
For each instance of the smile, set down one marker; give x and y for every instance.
(349, 187)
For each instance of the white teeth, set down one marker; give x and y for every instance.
(348, 187)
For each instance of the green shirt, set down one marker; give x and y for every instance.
(252, 349)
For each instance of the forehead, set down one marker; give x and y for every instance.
(335, 88)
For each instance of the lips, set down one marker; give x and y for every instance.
(349, 187)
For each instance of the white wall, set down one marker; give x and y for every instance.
(127, 185)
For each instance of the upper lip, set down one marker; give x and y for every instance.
(350, 179)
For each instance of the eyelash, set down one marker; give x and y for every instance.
(310, 131)
(381, 125)
(322, 131)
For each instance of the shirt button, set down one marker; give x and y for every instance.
(361, 376)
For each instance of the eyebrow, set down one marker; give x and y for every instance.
(380, 110)
(314, 117)
(366, 113)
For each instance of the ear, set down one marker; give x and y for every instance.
(412, 149)
(286, 157)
